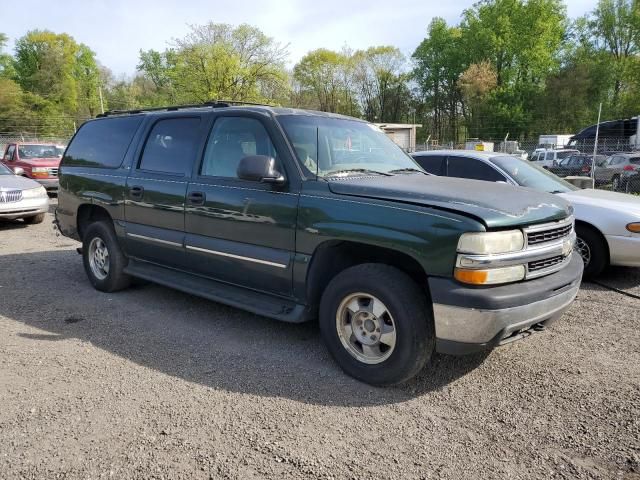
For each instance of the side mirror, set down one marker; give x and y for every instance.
(259, 168)
(18, 171)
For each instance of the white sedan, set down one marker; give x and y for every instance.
(21, 197)
(607, 223)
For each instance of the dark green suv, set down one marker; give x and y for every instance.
(300, 215)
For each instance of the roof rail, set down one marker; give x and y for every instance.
(172, 108)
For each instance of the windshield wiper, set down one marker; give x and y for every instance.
(358, 170)
(403, 170)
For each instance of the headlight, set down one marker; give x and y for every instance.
(34, 193)
(481, 243)
(490, 276)
(40, 170)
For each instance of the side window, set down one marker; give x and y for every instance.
(10, 151)
(431, 163)
(536, 157)
(232, 139)
(471, 168)
(171, 146)
(102, 143)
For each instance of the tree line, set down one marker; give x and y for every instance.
(517, 67)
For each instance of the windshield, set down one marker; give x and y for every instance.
(334, 147)
(529, 175)
(4, 170)
(37, 151)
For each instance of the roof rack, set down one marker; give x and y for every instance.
(173, 108)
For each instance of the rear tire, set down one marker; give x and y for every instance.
(367, 302)
(39, 218)
(103, 259)
(593, 250)
(615, 183)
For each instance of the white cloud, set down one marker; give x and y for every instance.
(117, 30)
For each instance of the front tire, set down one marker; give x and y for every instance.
(103, 259)
(615, 183)
(377, 324)
(592, 249)
(39, 218)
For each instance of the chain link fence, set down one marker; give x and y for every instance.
(617, 165)
(7, 139)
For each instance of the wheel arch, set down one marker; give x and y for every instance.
(89, 213)
(596, 230)
(333, 256)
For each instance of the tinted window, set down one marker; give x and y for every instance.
(564, 154)
(232, 139)
(102, 143)
(171, 146)
(471, 168)
(431, 163)
(635, 160)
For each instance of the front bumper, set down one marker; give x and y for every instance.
(24, 208)
(624, 251)
(470, 319)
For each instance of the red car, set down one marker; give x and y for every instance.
(40, 161)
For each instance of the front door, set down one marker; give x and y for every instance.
(156, 189)
(239, 231)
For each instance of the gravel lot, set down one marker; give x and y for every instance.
(153, 383)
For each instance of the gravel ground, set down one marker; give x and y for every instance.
(153, 383)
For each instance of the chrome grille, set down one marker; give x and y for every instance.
(53, 172)
(543, 236)
(10, 196)
(545, 263)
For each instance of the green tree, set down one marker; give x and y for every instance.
(323, 77)
(381, 82)
(218, 61)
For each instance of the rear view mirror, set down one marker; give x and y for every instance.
(18, 171)
(259, 168)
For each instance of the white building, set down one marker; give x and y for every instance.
(403, 134)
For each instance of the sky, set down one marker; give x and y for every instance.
(117, 30)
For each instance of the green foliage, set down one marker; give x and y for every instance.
(217, 61)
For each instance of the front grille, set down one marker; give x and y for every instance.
(10, 196)
(535, 238)
(53, 172)
(545, 263)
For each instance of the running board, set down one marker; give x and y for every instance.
(244, 299)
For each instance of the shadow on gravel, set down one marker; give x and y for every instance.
(195, 339)
(12, 224)
(621, 278)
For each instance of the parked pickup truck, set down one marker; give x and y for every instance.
(300, 215)
(38, 161)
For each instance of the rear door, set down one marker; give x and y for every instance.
(433, 164)
(473, 168)
(156, 189)
(240, 231)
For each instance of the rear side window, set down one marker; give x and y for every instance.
(635, 160)
(475, 169)
(431, 163)
(171, 146)
(102, 143)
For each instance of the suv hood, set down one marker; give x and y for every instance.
(43, 162)
(494, 204)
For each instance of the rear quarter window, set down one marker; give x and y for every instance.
(102, 143)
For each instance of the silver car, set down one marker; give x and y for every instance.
(21, 197)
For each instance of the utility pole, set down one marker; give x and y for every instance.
(101, 101)
(595, 150)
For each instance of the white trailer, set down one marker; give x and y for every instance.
(554, 141)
